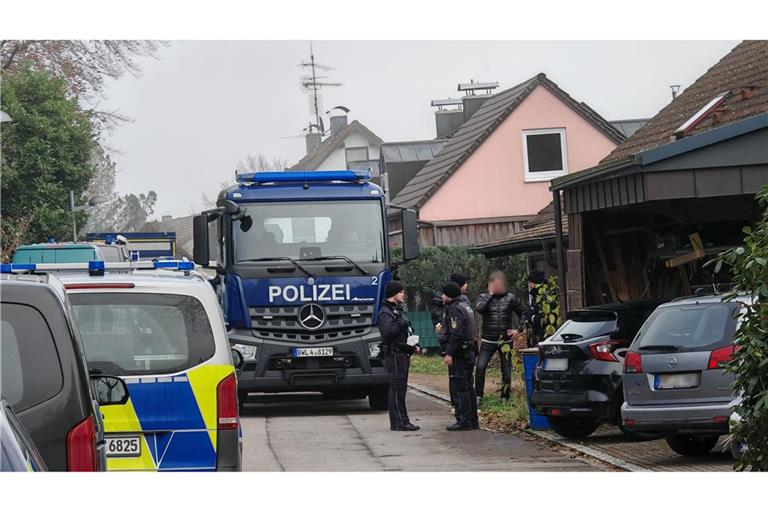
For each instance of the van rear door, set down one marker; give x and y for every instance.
(159, 343)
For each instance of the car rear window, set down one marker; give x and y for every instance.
(584, 328)
(30, 372)
(689, 326)
(54, 255)
(142, 333)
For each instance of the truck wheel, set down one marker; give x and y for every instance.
(573, 428)
(378, 399)
(691, 446)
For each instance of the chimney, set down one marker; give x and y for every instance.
(313, 140)
(472, 101)
(338, 123)
(447, 120)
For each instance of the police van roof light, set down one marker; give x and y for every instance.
(10, 268)
(303, 176)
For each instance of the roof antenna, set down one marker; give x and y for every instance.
(312, 84)
(675, 88)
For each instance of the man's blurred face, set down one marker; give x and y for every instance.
(498, 285)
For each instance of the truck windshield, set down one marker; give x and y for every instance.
(305, 230)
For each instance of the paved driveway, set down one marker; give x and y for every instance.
(305, 433)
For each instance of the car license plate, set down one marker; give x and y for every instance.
(675, 381)
(127, 446)
(555, 364)
(313, 352)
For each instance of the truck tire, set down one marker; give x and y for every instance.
(691, 446)
(378, 399)
(573, 428)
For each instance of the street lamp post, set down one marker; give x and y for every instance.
(97, 199)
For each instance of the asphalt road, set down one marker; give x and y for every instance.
(306, 433)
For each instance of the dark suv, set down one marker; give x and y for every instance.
(578, 380)
(44, 377)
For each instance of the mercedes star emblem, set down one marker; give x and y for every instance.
(312, 316)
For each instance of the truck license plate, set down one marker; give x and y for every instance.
(313, 352)
(128, 446)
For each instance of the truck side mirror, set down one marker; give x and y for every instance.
(200, 252)
(410, 225)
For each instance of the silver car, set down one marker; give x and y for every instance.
(675, 381)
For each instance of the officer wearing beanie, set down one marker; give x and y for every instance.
(395, 329)
(458, 342)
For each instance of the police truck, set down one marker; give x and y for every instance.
(301, 262)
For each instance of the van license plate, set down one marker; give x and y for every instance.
(676, 381)
(128, 446)
(313, 352)
(555, 365)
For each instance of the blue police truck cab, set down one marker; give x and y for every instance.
(302, 259)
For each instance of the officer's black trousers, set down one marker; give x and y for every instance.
(505, 358)
(462, 389)
(397, 366)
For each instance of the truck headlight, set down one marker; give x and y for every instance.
(249, 351)
(374, 349)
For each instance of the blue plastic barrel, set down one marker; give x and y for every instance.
(530, 359)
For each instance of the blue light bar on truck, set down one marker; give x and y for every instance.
(303, 177)
(97, 267)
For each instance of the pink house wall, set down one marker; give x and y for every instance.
(491, 183)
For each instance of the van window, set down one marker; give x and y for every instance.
(41, 255)
(690, 326)
(30, 372)
(142, 333)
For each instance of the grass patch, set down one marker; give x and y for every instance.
(434, 365)
(504, 415)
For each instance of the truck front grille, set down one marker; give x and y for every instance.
(282, 323)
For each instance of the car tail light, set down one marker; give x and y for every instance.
(720, 419)
(555, 412)
(603, 350)
(721, 357)
(633, 363)
(226, 400)
(81, 447)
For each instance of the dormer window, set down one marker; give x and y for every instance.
(545, 154)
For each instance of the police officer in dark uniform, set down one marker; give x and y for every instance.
(458, 344)
(395, 329)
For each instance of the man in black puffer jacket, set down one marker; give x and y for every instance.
(503, 318)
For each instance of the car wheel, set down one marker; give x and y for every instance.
(573, 428)
(377, 399)
(691, 446)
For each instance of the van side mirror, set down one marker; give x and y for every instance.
(201, 251)
(410, 226)
(109, 390)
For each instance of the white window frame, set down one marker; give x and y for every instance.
(533, 177)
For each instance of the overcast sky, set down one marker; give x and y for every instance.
(201, 106)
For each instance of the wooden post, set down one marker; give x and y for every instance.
(559, 248)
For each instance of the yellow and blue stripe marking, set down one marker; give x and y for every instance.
(177, 416)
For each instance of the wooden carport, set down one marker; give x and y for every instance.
(643, 226)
